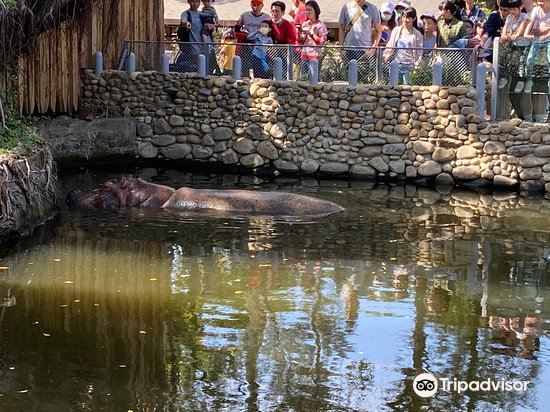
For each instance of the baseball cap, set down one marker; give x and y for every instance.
(406, 4)
(386, 10)
(428, 16)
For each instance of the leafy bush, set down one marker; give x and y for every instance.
(19, 133)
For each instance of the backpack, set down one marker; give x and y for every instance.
(183, 32)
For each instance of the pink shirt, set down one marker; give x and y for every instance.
(300, 16)
(319, 37)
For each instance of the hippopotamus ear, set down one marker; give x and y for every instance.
(125, 183)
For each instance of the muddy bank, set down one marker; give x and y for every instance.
(29, 191)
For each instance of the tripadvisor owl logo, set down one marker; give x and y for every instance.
(425, 385)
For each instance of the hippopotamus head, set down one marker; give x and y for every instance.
(123, 193)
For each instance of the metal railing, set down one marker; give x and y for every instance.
(333, 62)
(521, 80)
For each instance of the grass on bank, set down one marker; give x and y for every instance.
(20, 136)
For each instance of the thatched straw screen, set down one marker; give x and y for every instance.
(49, 75)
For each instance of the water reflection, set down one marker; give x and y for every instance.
(162, 311)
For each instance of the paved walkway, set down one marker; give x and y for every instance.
(330, 9)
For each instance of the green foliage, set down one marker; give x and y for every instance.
(422, 76)
(19, 136)
(333, 67)
(455, 76)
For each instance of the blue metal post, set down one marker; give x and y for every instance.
(494, 79)
(438, 73)
(237, 70)
(277, 69)
(202, 65)
(379, 64)
(480, 88)
(353, 72)
(289, 62)
(98, 63)
(131, 65)
(165, 63)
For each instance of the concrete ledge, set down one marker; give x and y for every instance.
(78, 139)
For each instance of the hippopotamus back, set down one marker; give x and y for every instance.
(272, 203)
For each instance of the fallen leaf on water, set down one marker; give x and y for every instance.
(238, 292)
(63, 306)
(265, 265)
(153, 279)
(121, 366)
(237, 280)
(4, 267)
(142, 332)
(57, 260)
(76, 300)
(47, 334)
(68, 282)
(96, 304)
(23, 391)
(12, 368)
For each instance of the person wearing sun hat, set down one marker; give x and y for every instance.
(429, 30)
(388, 21)
(386, 10)
(400, 7)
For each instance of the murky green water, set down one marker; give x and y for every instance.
(159, 311)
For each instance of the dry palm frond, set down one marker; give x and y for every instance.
(22, 21)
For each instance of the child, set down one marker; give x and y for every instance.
(429, 27)
(259, 53)
(469, 25)
(209, 15)
(514, 27)
(515, 23)
(538, 60)
(476, 39)
(227, 51)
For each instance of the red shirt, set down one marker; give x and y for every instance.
(283, 33)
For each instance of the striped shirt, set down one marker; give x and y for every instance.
(476, 15)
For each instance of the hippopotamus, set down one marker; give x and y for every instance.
(127, 193)
(117, 194)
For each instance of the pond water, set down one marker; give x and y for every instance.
(167, 311)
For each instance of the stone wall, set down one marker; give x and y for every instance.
(29, 191)
(363, 132)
